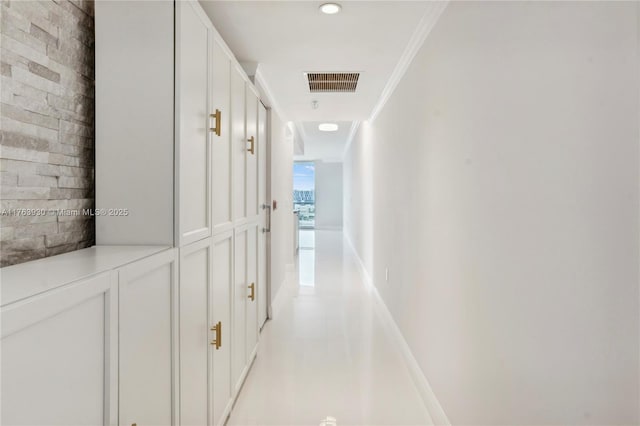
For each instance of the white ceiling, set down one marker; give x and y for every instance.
(326, 146)
(288, 38)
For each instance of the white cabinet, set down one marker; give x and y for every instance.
(251, 300)
(180, 143)
(245, 320)
(221, 143)
(195, 281)
(72, 325)
(240, 294)
(206, 271)
(251, 132)
(147, 356)
(134, 126)
(194, 41)
(239, 144)
(220, 301)
(153, 122)
(59, 356)
(244, 133)
(247, 151)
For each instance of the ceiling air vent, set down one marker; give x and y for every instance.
(336, 82)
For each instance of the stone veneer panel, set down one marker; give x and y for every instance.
(47, 128)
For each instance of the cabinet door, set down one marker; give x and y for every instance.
(135, 121)
(240, 291)
(220, 301)
(252, 156)
(252, 300)
(192, 122)
(148, 295)
(59, 356)
(239, 144)
(264, 207)
(195, 279)
(221, 140)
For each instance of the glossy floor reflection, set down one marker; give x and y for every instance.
(326, 358)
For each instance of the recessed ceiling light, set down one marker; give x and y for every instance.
(330, 8)
(328, 127)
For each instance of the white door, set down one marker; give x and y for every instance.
(264, 205)
(195, 279)
(239, 145)
(148, 295)
(59, 356)
(193, 38)
(240, 292)
(220, 317)
(252, 153)
(221, 140)
(251, 299)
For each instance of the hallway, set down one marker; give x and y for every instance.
(326, 353)
(436, 202)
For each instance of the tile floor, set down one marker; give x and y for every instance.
(325, 358)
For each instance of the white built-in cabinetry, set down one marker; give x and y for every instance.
(147, 356)
(194, 40)
(195, 313)
(159, 323)
(245, 305)
(221, 302)
(43, 366)
(180, 123)
(222, 189)
(86, 338)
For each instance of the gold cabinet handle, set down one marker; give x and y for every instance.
(218, 329)
(252, 141)
(218, 117)
(252, 287)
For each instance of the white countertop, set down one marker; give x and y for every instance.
(28, 279)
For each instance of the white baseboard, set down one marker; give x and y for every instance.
(429, 399)
(281, 296)
(278, 301)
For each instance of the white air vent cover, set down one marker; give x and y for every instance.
(336, 82)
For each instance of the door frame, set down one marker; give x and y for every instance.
(268, 200)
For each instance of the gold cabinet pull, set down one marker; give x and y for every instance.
(218, 329)
(252, 141)
(218, 117)
(252, 287)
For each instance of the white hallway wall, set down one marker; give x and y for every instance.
(500, 185)
(328, 188)
(281, 191)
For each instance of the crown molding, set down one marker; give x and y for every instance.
(301, 131)
(302, 134)
(355, 125)
(262, 82)
(426, 24)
